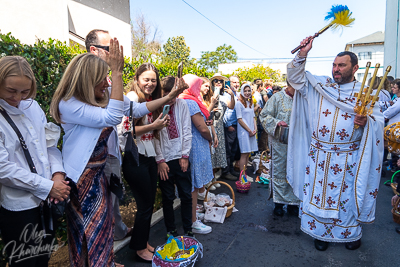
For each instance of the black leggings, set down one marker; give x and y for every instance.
(142, 180)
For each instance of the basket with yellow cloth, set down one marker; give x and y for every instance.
(179, 251)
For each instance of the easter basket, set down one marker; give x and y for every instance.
(264, 160)
(181, 251)
(243, 186)
(393, 184)
(396, 212)
(230, 208)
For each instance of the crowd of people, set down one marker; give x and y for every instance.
(326, 170)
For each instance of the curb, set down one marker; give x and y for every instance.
(156, 217)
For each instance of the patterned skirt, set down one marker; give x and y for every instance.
(90, 215)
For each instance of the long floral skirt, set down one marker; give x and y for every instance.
(90, 215)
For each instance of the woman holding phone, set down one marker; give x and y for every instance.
(218, 159)
(145, 87)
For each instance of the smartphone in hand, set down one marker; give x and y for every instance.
(228, 84)
(180, 70)
(165, 111)
(211, 117)
(216, 91)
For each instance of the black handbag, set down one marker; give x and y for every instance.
(56, 211)
(116, 186)
(131, 153)
(131, 143)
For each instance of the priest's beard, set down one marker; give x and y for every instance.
(345, 77)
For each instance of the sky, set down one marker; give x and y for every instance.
(271, 27)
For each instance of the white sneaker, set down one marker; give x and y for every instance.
(216, 185)
(200, 228)
(211, 187)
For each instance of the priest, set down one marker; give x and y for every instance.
(334, 154)
(276, 113)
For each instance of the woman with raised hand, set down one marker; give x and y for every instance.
(87, 113)
(28, 181)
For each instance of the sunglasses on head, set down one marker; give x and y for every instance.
(107, 48)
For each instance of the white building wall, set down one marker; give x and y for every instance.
(392, 37)
(85, 19)
(28, 20)
(377, 56)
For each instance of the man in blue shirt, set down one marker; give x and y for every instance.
(230, 125)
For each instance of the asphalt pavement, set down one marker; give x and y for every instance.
(253, 236)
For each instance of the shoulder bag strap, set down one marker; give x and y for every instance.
(131, 122)
(21, 140)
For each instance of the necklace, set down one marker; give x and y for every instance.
(351, 95)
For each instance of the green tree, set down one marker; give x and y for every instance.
(257, 72)
(175, 50)
(223, 54)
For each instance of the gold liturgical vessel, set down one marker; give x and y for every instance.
(365, 101)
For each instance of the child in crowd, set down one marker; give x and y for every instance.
(173, 149)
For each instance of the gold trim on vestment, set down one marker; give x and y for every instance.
(358, 170)
(334, 123)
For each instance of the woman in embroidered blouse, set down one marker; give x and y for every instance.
(145, 87)
(87, 112)
(247, 127)
(21, 191)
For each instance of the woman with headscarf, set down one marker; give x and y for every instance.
(247, 126)
(200, 157)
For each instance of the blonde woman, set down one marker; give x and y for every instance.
(23, 193)
(87, 112)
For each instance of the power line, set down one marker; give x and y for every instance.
(223, 29)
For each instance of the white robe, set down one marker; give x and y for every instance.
(334, 169)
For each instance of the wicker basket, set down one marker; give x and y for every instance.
(394, 185)
(261, 167)
(230, 208)
(396, 212)
(242, 188)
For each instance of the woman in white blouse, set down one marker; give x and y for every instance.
(22, 192)
(144, 88)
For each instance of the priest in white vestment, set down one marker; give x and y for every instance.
(333, 167)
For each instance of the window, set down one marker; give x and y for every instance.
(364, 55)
(360, 76)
